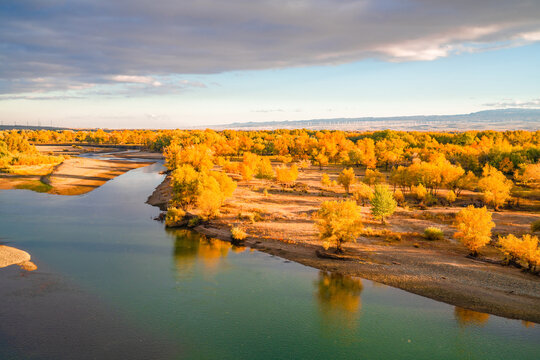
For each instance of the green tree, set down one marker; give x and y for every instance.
(383, 203)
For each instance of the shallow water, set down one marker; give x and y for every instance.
(111, 283)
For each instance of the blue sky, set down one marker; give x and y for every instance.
(177, 64)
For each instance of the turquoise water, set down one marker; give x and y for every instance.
(113, 284)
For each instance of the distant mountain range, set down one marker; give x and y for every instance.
(501, 119)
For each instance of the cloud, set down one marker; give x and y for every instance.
(134, 79)
(509, 103)
(141, 42)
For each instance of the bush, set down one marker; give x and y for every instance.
(398, 195)
(174, 216)
(238, 234)
(451, 196)
(524, 249)
(535, 226)
(433, 233)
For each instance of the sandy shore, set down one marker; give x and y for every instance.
(439, 270)
(74, 176)
(12, 256)
(79, 175)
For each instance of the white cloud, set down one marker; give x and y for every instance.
(135, 79)
(509, 103)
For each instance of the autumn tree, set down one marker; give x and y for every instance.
(362, 193)
(338, 222)
(383, 203)
(286, 176)
(495, 186)
(524, 249)
(474, 228)
(347, 178)
(373, 177)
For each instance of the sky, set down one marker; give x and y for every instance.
(175, 63)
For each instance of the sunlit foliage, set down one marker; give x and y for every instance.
(347, 178)
(338, 222)
(495, 186)
(523, 249)
(383, 203)
(474, 228)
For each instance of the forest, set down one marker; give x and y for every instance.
(354, 178)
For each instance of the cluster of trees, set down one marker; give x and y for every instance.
(16, 150)
(194, 184)
(474, 231)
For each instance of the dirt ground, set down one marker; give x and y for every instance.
(281, 224)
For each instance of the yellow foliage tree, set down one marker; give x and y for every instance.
(362, 193)
(347, 178)
(450, 196)
(419, 191)
(373, 177)
(495, 186)
(474, 228)
(338, 222)
(285, 175)
(524, 249)
(325, 180)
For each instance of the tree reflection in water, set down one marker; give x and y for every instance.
(338, 298)
(191, 247)
(466, 317)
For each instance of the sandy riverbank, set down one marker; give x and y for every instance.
(12, 256)
(74, 176)
(436, 269)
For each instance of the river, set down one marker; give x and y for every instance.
(112, 283)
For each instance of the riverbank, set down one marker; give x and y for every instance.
(12, 256)
(280, 224)
(74, 176)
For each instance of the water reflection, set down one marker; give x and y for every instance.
(466, 317)
(338, 298)
(191, 247)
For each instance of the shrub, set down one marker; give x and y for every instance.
(325, 180)
(433, 233)
(238, 234)
(419, 191)
(285, 175)
(451, 196)
(535, 226)
(474, 228)
(264, 169)
(373, 177)
(362, 193)
(174, 216)
(398, 195)
(524, 249)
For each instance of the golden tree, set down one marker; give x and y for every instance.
(362, 193)
(338, 222)
(285, 175)
(474, 228)
(524, 249)
(347, 178)
(325, 180)
(495, 186)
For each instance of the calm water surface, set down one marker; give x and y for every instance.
(113, 284)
